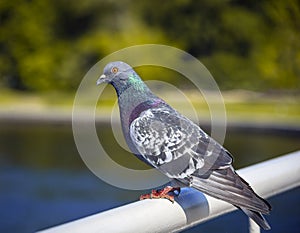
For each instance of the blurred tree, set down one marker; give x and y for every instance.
(50, 44)
(39, 42)
(278, 55)
(245, 44)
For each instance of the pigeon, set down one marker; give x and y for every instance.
(168, 141)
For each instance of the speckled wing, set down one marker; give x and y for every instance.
(181, 150)
(174, 144)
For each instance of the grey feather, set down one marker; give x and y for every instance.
(257, 217)
(225, 184)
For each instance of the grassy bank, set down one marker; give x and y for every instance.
(241, 106)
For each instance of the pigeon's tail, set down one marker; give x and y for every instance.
(257, 217)
(227, 185)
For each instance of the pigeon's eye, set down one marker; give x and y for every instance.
(114, 70)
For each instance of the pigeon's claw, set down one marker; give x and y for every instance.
(167, 193)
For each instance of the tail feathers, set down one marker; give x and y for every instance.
(257, 217)
(228, 186)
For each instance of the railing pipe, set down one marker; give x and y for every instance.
(191, 207)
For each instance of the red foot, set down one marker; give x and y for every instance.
(162, 193)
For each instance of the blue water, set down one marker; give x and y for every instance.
(43, 181)
(35, 200)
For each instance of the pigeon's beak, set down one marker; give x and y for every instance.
(102, 79)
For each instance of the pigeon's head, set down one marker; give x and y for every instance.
(116, 72)
(122, 77)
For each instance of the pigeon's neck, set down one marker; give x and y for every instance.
(132, 84)
(132, 93)
(132, 102)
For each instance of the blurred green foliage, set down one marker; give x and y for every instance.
(245, 44)
(51, 44)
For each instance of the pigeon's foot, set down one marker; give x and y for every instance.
(168, 193)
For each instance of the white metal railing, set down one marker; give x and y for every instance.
(191, 207)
